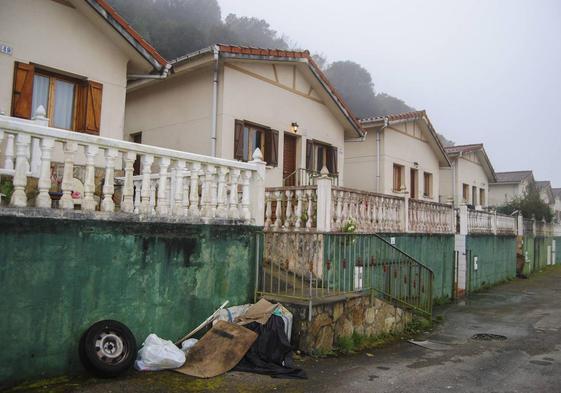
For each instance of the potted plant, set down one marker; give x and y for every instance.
(6, 190)
(55, 192)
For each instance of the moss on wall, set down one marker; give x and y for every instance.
(57, 277)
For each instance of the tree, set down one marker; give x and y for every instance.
(354, 83)
(530, 205)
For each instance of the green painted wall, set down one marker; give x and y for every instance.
(436, 252)
(57, 277)
(496, 260)
(541, 245)
(557, 250)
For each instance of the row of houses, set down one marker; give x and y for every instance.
(225, 101)
(95, 119)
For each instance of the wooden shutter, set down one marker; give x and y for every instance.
(332, 159)
(88, 107)
(309, 155)
(272, 147)
(22, 92)
(238, 141)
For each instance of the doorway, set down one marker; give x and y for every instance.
(289, 160)
(414, 184)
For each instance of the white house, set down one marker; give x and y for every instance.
(557, 203)
(467, 181)
(546, 192)
(227, 100)
(74, 57)
(508, 186)
(401, 155)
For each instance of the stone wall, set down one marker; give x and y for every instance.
(362, 314)
(295, 251)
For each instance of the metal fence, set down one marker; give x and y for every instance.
(352, 263)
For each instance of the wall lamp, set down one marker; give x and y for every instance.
(294, 127)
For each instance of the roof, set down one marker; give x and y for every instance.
(234, 51)
(479, 150)
(409, 116)
(128, 33)
(512, 177)
(543, 184)
(556, 192)
(457, 149)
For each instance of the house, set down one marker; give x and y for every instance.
(226, 101)
(73, 57)
(508, 186)
(467, 181)
(402, 155)
(557, 203)
(546, 192)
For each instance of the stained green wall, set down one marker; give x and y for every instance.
(528, 252)
(557, 250)
(57, 277)
(436, 252)
(496, 260)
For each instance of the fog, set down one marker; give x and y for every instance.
(485, 71)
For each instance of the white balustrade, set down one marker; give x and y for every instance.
(483, 222)
(430, 217)
(169, 183)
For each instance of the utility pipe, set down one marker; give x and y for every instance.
(214, 114)
(378, 149)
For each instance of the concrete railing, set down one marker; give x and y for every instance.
(326, 208)
(430, 217)
(172, 183)
(483, 222)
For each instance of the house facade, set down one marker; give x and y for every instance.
(402, 155)
(73, 57)
(557, 203)
(546, 192)
(225, 101)
(508, 186)
(467, 181)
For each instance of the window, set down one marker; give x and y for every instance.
(249, 136)
(320, 154)
(465, 193)
(414, 183)
(482, 196)
(398, 178)
(428, 185)
(70, 103)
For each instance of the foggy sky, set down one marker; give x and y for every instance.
(485, 71)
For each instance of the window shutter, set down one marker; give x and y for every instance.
(94, 92)
(332, 159)
(22, 93)
(272, 147)
(238, 141)
(309, 155)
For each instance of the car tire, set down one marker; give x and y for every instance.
(107, 348)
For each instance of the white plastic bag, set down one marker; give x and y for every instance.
(158, 354)
(188, 344)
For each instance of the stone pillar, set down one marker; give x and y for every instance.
(520, 224)
(257, 189)
(324, 201)
(463, 219)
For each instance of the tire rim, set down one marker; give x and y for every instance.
(110, 347)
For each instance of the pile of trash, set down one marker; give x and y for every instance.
(250, 338)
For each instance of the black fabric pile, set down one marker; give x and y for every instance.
(271, 353)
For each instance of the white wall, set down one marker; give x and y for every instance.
(50, 34)
(468, 170)
(254, 94)
(499, 194)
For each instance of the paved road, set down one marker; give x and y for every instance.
(527, 312)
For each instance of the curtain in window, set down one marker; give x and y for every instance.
(40, 93)
(64, 104)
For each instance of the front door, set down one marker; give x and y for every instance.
(289, 160)
(414, 184)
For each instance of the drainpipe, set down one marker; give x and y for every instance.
(214, 111)
(454, 185)
(378, 158)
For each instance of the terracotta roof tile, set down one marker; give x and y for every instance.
(137, 37)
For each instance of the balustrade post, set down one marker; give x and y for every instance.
(107, 204)
(278, 210)
(163, 207)
(268, 210)
(19, 198)
(520, 224)
(39, 117)
(339, 209)
(221, 209)
(88, 202)
(405, 216)
(66, 201)
(44, 184)
(137, 187)
(146, 191)
(323, 201)
(234, 212)
(494, 223)
(179, 205)
(9, 153)
(299, 207)
(194, 190)
(288, 219)
(257, 187)
(127, 205)
(310, 221)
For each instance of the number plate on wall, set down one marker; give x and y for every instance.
(5, 49)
